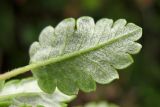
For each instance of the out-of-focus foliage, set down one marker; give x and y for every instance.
(22, 20)
(1, 85)
(26, 93)
(100, 104)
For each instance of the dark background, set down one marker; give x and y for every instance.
(139, 85)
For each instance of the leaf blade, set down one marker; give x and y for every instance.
(27, 92)
(104, 47)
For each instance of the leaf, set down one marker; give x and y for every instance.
(1, 84)
(26, 93)
(76, 54)
(100, 104)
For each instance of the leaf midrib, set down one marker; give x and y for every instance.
(21, 94)
(80, 52)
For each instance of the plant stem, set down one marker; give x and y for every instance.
(24, 69)
(29, 67)
(17, 71)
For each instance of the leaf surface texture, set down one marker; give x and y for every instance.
(80, 53)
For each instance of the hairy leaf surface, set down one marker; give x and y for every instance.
(79, 53)
(26, 93)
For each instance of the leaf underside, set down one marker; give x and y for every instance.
(100, 104)
(87, 52)
(26, 93)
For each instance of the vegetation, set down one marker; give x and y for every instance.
(138, 85)
(73, 56)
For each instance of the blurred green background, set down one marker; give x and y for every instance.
(139, 85)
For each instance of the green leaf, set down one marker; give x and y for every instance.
(78, 53)
(1, 84)
(26, 93)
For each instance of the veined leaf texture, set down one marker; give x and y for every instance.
(80, 53)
